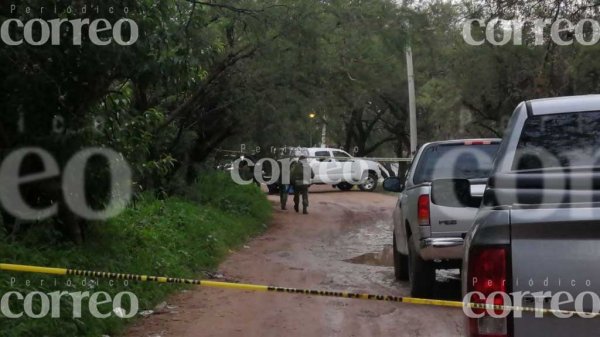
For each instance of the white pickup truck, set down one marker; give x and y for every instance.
(339, 168)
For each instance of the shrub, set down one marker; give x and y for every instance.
(175, 237)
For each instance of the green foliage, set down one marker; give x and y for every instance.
(218, 191)
(220, 73)
(206, 74)
(173, 237)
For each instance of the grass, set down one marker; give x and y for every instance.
(176, 237)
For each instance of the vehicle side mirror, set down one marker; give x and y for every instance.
(453, 193)
(393, 184)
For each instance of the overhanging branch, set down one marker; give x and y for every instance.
(225, 6)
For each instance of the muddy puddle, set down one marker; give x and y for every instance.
(384, 258)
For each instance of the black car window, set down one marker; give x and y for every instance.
(559, 140)
(341, 156)
(458, 161)
(322, 154)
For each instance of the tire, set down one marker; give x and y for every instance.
(421, 273)
(370, 184)
(344, 186)
(400, 263)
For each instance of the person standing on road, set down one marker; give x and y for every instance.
(300, 177)
(283, 181)
(246, 171)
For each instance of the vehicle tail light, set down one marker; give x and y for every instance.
(423, 210)
(487, 274)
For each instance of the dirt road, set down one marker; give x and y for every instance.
(342, 245)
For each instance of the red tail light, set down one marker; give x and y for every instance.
(423, 210)
(487, 274)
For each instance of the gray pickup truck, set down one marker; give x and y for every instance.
(537, 233)
(429, 227)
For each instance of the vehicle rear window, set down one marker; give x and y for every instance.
(560, 140)
(455, 161)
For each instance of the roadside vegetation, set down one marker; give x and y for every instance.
(215, 75)
(205, 75)
(175, 236)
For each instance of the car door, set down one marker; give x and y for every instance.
(343, 166)
(322, 165)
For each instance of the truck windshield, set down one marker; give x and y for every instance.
(560, 140)
(458, 161)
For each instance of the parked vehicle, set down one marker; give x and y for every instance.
(339, 168)
(429, 229)
(538, 227)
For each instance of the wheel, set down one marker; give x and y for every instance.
(370, 184)
(421, 273)
(400, 264)
(344, 186)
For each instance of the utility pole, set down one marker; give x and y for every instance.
(324, 132)
(411, 101)
(312, 117)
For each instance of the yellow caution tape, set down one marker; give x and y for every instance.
(264, 288)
